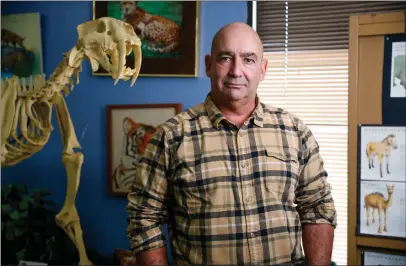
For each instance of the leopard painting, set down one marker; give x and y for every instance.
(162, 34)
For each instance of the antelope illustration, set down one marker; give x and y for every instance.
(381, 149)
(376, 200)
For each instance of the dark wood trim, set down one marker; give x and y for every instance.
(249, 13)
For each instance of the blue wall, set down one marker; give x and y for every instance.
(102, 215)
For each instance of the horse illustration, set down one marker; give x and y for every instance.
(376, 201)
(381, 149)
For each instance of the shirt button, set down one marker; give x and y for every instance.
(252, 234)
(243, 165)
(248, 199)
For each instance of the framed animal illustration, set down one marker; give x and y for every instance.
(129, 129)
(21, 45)
(379, 256)
(168, 31)
(381, 181)
(394, 79)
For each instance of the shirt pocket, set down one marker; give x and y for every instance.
(281, 174)
(203, 186)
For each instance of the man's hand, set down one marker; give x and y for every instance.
(318, 243)
(155, 257)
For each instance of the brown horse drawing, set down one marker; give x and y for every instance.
(381, 149)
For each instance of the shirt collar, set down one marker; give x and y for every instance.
(216, 116)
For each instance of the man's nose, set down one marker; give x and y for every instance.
(236, 68)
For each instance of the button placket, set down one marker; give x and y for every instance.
(247, 196)
(241, 146)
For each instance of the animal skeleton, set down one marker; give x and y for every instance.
(26, 113)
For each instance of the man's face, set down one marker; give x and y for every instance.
(236, 65)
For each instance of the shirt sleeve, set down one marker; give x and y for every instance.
(146, 207)
(314, 200)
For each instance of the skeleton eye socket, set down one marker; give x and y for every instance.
(129, 29)
(101, 28)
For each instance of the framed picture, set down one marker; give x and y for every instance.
(381, 181)
(129, 129)
(31, 263)
(168, 31)
(21, 45)
(375, 256)
(394, 80)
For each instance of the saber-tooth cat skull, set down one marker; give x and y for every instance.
(106, 42)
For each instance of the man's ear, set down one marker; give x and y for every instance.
(264, 66)
(207, 60)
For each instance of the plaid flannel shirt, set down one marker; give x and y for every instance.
(230, 196)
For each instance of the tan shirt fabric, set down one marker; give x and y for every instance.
(235, 196)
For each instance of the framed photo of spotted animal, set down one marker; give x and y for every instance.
(129, 129)
(381, 181)
(168, 31)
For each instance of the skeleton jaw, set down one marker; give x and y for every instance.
(106, 42)
(112, 59)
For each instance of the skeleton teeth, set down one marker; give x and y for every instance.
(128, 49)
(121, 52)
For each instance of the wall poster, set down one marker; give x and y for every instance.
(378, 258)
(21, 45)
(381, 181)
(394, 80)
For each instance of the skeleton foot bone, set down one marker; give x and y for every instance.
(26, 112)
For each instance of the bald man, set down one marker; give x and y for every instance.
(235, 179)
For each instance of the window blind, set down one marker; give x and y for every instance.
(312, 25)
(306, 44)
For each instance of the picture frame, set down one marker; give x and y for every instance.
(31, 263)
(381, 177)
(129, 129)
(381, 256)
(21, 45)
(394, 79)
(171, 52)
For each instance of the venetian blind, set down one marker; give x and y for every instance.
(306, 44)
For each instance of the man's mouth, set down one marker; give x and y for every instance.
(233, 85)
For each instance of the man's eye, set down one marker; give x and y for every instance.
(224, 59)
(249, 60)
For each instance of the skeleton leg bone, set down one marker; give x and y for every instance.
(68, 218)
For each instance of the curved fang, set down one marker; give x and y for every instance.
(121, 60)
(137, 63)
